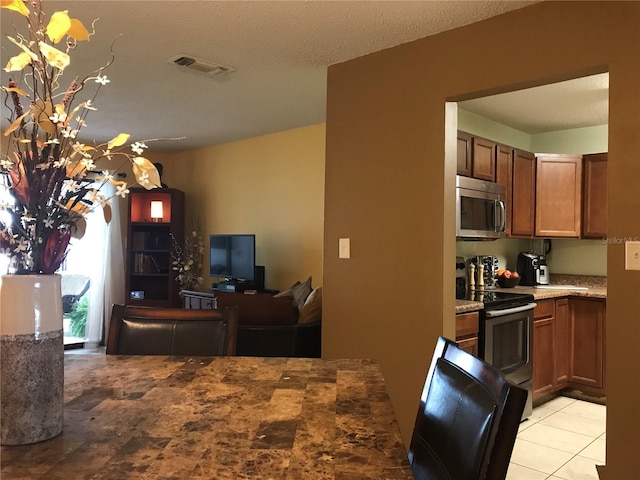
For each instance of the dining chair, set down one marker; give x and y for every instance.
(467, 421)
(172, 331)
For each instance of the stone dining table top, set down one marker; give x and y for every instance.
(154, 417)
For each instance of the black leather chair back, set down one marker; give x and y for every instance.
(468, 419)
(172, 331)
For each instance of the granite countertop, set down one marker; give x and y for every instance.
(466, 306)
(596, 288)
(154, 417)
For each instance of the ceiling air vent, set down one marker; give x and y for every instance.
(200, 65)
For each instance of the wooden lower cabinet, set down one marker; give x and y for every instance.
(568, 345)
(562, 341)
(587, 361)
(543, 348)
(467, 327)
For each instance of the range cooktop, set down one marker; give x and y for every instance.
(495, 299)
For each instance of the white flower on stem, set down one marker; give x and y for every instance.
(69, 132)
(143, 179)
(107, 154)
(22, 246)
(6, 163)
(80, 122)
(93, 195)
(88, 105)
(122, 190)
(48, 222)
(58, 117)
(78, 147)
(138, 147)
(72, 186)
(107, 175)
(87, 163)
(53, 141)
(102, 80)
(62, 162)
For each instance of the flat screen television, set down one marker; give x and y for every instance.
(232, 256)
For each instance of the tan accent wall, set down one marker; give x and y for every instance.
(271, 186)
(390, 188)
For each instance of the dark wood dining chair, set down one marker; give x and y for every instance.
(172, 331)
(467, 421)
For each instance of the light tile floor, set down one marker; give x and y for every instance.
(563, 439)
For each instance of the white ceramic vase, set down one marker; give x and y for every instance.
(31, 359)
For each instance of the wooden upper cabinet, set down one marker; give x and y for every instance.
(558, 195)
(504, 176)
(476, 157)
(484, 159)
(523, 194)
(594, 204)
(465, 147)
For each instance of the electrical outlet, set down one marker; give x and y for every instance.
(344, 247)
(632, 255)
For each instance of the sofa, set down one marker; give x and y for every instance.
(288, 324)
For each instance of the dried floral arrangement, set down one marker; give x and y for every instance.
(187, 260)
(53, 180)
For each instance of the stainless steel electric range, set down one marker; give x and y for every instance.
(506, 335)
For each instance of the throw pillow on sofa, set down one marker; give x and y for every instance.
(300, 293)
(288, 292)
(312, 309)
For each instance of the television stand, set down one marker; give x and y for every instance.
(236, 286)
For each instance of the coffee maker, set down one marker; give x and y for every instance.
(528, 268)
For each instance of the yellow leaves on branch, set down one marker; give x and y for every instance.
(16, 6)
(118, 141)
(146, 173)
(59, 26)
(21, 60)
(54, 57)
(17, 63)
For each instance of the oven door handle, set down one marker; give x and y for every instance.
(509, 311)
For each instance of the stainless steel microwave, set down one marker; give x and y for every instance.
(480, 209)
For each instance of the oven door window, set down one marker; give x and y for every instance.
(510, 350)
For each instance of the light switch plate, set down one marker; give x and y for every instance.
(632, 255)
(344, 248)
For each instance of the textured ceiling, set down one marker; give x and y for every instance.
(582, 102)
(280, 51)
